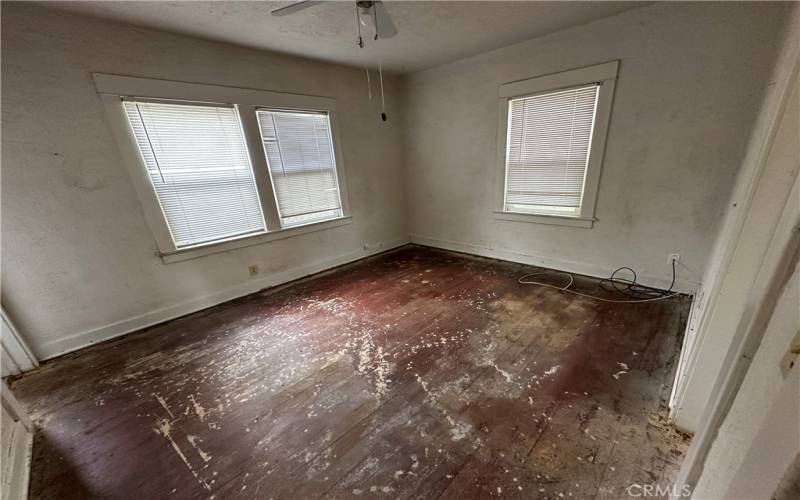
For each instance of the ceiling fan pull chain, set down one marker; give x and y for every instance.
(383, 100)
(369, 85)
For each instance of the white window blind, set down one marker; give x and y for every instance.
(198, 163)
(548, 147)
(301, 161)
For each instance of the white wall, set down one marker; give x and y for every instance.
(737, 392)
(761, 435)
(78, 260)
(689, 86)
(730, 296)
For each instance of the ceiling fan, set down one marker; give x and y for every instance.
(370, 13)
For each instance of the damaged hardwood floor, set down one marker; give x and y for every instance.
(415, 374)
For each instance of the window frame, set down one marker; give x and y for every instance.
(112, 89)
(605, 75)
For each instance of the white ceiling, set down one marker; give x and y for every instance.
(430, 33)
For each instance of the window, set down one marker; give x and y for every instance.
(553, 136)
(302, 166)
(218, 168)
(197, 161)
(548, 148)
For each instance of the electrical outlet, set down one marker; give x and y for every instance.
(253, 270)
(673, 257)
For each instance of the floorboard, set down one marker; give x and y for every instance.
(418, 373)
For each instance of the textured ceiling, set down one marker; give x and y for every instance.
(430, 33)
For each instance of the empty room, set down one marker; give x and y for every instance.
(400, 249)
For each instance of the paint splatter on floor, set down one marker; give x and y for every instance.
(418, 373)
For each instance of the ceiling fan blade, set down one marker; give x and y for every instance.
(386, 27)
(292, 8)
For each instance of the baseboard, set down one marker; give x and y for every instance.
(81, 340)
(16, 462)
(661, 282)
(78, 341)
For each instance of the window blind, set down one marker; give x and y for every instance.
(301, 162)
(549, 137)
(198, 163)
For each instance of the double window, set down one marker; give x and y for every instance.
(551, 141)
(220, 170)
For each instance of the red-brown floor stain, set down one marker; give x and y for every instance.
(415, 374)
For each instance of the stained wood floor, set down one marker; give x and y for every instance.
(416, 374)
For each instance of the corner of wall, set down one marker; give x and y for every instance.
(694, 391)
(740, 276)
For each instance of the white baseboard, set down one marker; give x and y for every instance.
(84, 339)
(17, 463)
(661, 282)
(17, 448)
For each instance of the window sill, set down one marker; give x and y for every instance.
(556, 220)
(250, 240)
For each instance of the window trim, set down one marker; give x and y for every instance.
(112, 89)
(605, 74)
(226, 245)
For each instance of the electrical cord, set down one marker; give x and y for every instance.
(628, 287)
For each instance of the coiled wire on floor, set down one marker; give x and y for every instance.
(633, 291)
